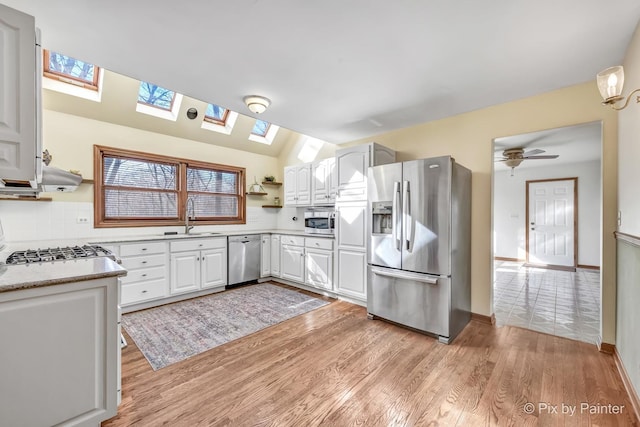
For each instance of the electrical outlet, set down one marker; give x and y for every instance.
(82, 220)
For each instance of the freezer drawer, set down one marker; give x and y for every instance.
(416, 300)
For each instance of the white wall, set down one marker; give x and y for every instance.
(510, 207)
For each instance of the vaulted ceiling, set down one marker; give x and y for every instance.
(344, 70)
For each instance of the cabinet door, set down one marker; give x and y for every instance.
(332, 179)
(319, 185)
(352, 273)
(319, 268)
(265, 256)
(292, 258)
(303, 184)
(290, 188)
(17, 95)
(214, 267)
(275, 256)
(351, 226)
(185, 272)
(352, 164)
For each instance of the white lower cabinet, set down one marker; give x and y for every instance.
(292, 258)
(351, 250)
(265, 256)
(352, 274)
(319, 263)
(198, 264)
(275, 255)
(146, 277)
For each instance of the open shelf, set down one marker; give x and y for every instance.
(272, 206)
(275, 184)
(253, 193)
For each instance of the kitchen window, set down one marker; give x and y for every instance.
(70, 70)
(134, 189)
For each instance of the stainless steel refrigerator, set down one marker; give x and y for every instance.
(419, 271)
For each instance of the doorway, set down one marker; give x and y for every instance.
(546, 275)
(552, 232)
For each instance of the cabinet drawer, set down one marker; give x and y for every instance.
(292, 240)
(143, 291)
(198, 244)
(143, 248)
(318, 243)
(144, 261)
(142, 274)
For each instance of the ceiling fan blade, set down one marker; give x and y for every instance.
(554, 156)
(533, 152)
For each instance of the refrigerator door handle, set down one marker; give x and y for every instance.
(407, 214)
(405, 275)
(394, 216)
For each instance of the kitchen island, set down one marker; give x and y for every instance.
(60, 342)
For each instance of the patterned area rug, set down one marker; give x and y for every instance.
(174, 332)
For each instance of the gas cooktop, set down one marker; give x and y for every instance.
(57, 254)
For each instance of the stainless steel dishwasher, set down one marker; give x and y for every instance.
(243, 258)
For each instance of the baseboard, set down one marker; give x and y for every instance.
(606, 348)
(551, 267)
(491, 320)
(589, 267)
(503, 258)
(628, 385)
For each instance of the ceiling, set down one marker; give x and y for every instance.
(573, 144)
(341, 71)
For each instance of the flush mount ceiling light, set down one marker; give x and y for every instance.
(257, 104)
(610, 82)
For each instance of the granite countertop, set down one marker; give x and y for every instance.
(24, 276)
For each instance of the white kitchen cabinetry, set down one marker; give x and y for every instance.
(297, 185)
(292, 258)
(147, 272)
(323, 182)
(18, 129)
(319, 263)
(59, 354)
(265, 256)
(275, 255)
(198, 264)
(352, 165)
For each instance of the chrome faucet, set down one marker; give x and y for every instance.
(188, 212)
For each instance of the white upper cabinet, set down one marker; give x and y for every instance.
(18, 146)
(323, 182)
(352, 165)
(297, 185)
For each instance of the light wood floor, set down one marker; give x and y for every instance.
(333, 367)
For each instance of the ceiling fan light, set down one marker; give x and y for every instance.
(610, 83)
(257, 104)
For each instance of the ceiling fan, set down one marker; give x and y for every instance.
(512, 157)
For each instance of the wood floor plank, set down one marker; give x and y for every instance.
(333, 367)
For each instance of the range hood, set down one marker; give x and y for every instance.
(56, 180)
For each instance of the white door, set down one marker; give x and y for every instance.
(303, 185)
(265, 256)
(319, 269)
(352, 274)
(551, 226)
(185, 272)
(332, 179)
(351, 226)
(275, 256)
(351, 165)
(292, 258)
(290, 182)
(320, 187)
(17, 95)
(214, 267)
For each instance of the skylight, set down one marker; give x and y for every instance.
(216, 114)
(260, 128)
(156, 96)
(70, 70)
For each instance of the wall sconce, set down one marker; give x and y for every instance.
(610, 82)
(257, 104)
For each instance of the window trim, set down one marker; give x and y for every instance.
(99, 151)
(65, 78)
(221, 122)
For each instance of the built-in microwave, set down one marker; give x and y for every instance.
(319, 220)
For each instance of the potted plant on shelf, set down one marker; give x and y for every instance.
(269, 178)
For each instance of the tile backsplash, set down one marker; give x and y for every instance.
(26, 220)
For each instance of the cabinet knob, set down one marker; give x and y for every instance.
(144, 291)
(200, 245)
(144, 275)
(143, 262)
(143, 249)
